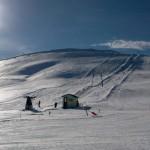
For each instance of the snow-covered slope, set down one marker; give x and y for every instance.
(53, 74)
(123, 97)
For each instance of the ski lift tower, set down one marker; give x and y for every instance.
(29, 105)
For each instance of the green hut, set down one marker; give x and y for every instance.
(70, 101)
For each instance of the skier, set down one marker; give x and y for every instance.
(86, 112)
(55, 104)
(39, 104)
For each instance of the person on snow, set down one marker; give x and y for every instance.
(55, 104)
(39, 104)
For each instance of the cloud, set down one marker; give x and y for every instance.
(123, 44)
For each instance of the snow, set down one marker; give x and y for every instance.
(122, 105)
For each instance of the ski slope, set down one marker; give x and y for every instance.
(122, 104)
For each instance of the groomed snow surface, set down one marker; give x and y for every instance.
(122, 104)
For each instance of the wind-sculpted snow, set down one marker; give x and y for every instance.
(59, 73)
(115, 87)
(34, 68)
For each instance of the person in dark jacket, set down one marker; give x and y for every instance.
(39, 104)
(55, 104)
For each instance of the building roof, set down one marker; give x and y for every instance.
(68, 95)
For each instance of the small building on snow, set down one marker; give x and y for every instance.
(70, 101)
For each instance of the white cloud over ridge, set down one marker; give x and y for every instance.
(123, 44)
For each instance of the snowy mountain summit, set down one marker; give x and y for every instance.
(49, 75)
(107, 81)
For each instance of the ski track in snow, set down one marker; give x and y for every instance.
(124, 67)
(127, 71)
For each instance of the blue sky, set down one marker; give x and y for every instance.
(37, 25)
